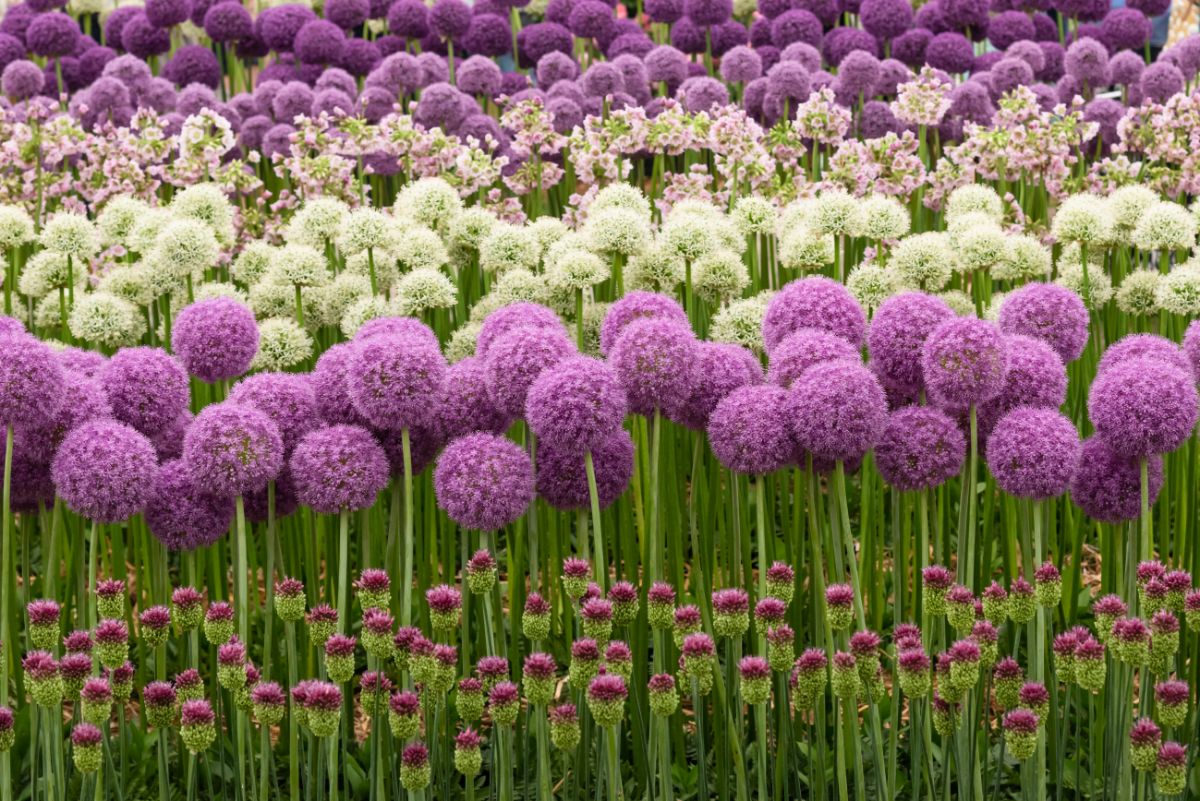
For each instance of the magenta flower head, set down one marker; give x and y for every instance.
(606, 696)
(1145, 738)
(147, 387)
(31, 382)
(392, 378)
(655, 361)
(749, 430)
(1032, 453)
(720, 369)
(183, 517)
(463, 405)
(1143, 407)
(1144, 346)
(105, 470)
(562, 472)
(839, 605)
(484, 481)
(731, 612)
(286, 398)
(837, 410)
(1107, 487)
(444, 605)
(815, 302)
(578, 402)
(216, 339)
(339, 468)
(513, 316)
(516, 359)
(232, 449)
(964, 360)
(1170, 768)
(920, 448)
(897, 336)
(1050, 313)
(83, 399)
(633, 306)
(1021, 732)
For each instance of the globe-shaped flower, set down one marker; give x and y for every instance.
(1107, 487)
(31, 381)
(815, 302)
(182, 517)
(634, 306)
(1143, 346)
(105, 470)
(1191, 345)
(515, 315)
(749, 431)
(1035, 377)
(464, 405)
(516, 359)
(232, 449)
(484, 481)
(963, 361)
(720, 369)
(339, 468)
(83, 399)
(920, 448)
(286, 398)
(328, 380)
(837, 410)
(392, 378)
(655, 359)
(148, 388)
(802, 349)
(562, 471)
(1049, 312)
(577, 403)
(1032, 453)
(1142, 407)
(216, 339)
(897, 337)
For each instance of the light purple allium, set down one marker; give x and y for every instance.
(1048, 312)
(815, 302)
(720, 369)
(1143, 406)
(897, 335)
(1033, 453)
(920, 448)
(105, 470)
(286, 398)
(215, 339)
(484, 481)
(1143, 346)
(183, 517)
(634, 306)
(1087, 62)
(339, 468)
(396, 326)
(232, 449)
(31, 382)
(655, 361)
(513, 316)
(1107, 486)
(147, 387)
(83, 399)
(1035, 377)
(802, 349)
(329, 385)
(516, 359)
(562, 471)
(837, 410)
(577, 403)
(749, 431)
(964, 360)
(391, 379)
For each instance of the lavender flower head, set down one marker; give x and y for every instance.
(963, 361)
(578, 401)
(339, 468)
(802, 349)
(231, 449)
(1107, 487)
(216, 339)
(634, 306)
(391, 378)
(105, 470)
(562, 471)
(182, 517)
(815, 302)
(920, 448)
(720, 369)
(286, 398)
(655, 359)
(484, 481)
(1143, 406)
(1143, 346)
(749, 432)
(516, 359)
(147, 387)
(897, 336)
(1048, 312)
(1032, 453)
(837, 410)
(31, 382)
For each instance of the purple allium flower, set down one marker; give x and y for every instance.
(463, 404)
(514, 316)
(963, 361)
(741, 65)
(216, 338)
(897, 336)
(1035, 377)
(720, 368)
(910, 46)
(1087, 62)
(52, 35)
(484, 481)
(796, 25)
(516, 359)
(749, 431)
(148, 388)
(142, 38)
(390, 379)
(578, 401)
(31, 382)
(1125, 29)
(228, 22)
(837, 410)
(540, 38)
(950, 51)
(815, 302)
(286, 398)
(105, 470)
(183, 517)
(801, 350)
(1048, 312)
(22, 80)
(339, 468)
(562, 473)
(193, 64)
(664, 64)
(631, 307)
(1143, 406)
(703, 94)
(1107, 487)
(1032, 453)
(408, 18)
(858, 74)
(654, 359)
(232, 449)
(886, 19)
(319, 42)
(1143, 346)
(920, 448)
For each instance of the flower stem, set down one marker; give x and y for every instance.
(406, 575)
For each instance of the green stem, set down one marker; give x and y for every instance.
(407, 573)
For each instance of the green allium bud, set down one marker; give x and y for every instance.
(809, 678)
(404, 714)
(844, 680)
(1048, 585)
(187, 608)
(664, 699)
(504, 703)
(481, 573)
(564, 727)
(197, 726)
(468, 756)
(535, 621)
(469, 699)
(290, 603)
(606, 700)
(415, 771)
(87, 758)
(781, 582)
(339, 658)
(1022, 601)
(755, 675)
(1170, 772)
(945, 716)
(1145, 738)
(110, 599)
(660, 606)
(575, 578)
(1021, 733)
(218, 623)
(624, 598)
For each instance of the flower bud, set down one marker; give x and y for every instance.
(780, 647)
(660, 605)
(339, 658)
(808, 678)
(575, 576)
(155, 625)
(731, 612)
(687, 620)
(110, 598)
(1145, 738)
(86, 747)
(839, 606)
(187, 607)
(404, 714)
(564, 727)
(323, 708)
(995, 603)
(197, 725)
(374, 589)
(445, 604)
(539, 678)
(504, 703)
(624, 598)
(1170, 769)
(269, 703)
(112, 642)
(1022, 601)
(936, 580)
(322, 623)
(43, 623)
(585, 662)
(618, 660)
(535, 621)
(664, 699)
(1171, 697)
(481, 572)
(781, 581)
(218, 623)
(415, 771)
(1021, 733)
(606, 696)
(755, 675)
(290, 603)
(468, 756)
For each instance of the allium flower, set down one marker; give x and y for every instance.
(1145, 738)
(181, 516)
(215, 339)
(964, 361)
(815, 302)
(148, 389)
(323, 708)
(606, 696)
(232, 449)
(1032, 453)
(838, 410)
(562, 479)
(731, 612)
(919, 448)
(1021, 727)
(654, 360)
(86, 750)
(1082, 218)
(484, 481)
(809, 677)
(1165, 226)
(579, 401)
(564, 727)
(539, 678)
(1143, 407)
(937, 581)
(339, 468)
(839, 606)
(1048, 312)
(1170, 768)
(749, 432)
(105, 470)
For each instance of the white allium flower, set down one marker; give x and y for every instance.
(1082, 218)
(834, 213)
(317, 222)
(419, 247)
(658, 268)
(78, 8)
(362, 310)
(621, 195)
(1179, 290)
(423, 289)
(578, 270)
(209, 204)
(462, 342)
(340, 294)
(118, 218)
(741, 322)
(362, 229)
(1024, 259)
(795, 215)
(980, 247)
(46, 313)
(387, 267)
(1100, 289)
(728, 235)
(719, 276)
(299, 265)
(221, 289)
(959, 302)
(1165, 226)
(432, 202)
(965, 223)
(470, 228)
(804, 249)
(571, 240)
(252, 263)
(1138, 293)
(754, 215)
(101, 318)
(16, 226)
(129, 281)
(47, 271)
(270, 299)
(71, 234)
(1127, 204)
(974, 198)
(508, 247)
(617, 231)
(547, 231)
(282, 344)
(872, 284)
(184, 247)
(924, 261)
(512, 287)
(146, 228)
(881, 217)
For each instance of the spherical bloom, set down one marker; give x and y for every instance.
(22, 80)
(633, 306)
(183, 517)
(963, 361)
(654, 359)
(720, 368)
(920, 448)
(837, 410)
(925, 261)
(1143, 346)
(1160, 81)
(515, 315)
(232, 449)
(105, 470)
(338, 468)
(463, 404)
(286, 398)
(1035, 377)
(741, 65)
(391, 379)
(1178, 292)
(749, 432)
(515, 360)
(1082, 218)
(1107, 487)
(52, 35)
(578, 401)
(1165, 226)
(31, 381)
(897, 337)
(1032, 453)
(815, 302)
(1048, 312)
(484, 481)
(216, 339)
(1143, 406)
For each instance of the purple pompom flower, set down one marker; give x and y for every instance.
(52, 35)
(920, 448)
(576, 403)
(1107, 487)
(749, 431)
(815, 302)
(562, 471)
(655, 359)
(463, 404)
(232, 449)
(1032, 453)
(1143, 406)
(633, 306)
(484, 481)
(963, 361)
(720, 369)
(897, 336)
(513, 316)
(339, 468)
(391, 379)
(183, 517)
(1143, 346)
(516, 359)
(147, 387)
(31, 382)
(837, 410)
(1048, 312)
(802, 349)
(286, 398)
(216, 339)
(105, 470)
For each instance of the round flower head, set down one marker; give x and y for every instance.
(31, 381)
(1048, 312)
(1082, 218)
(897, 336)
(802, 349)
(182, 517)
(1191, 345)
(484, 481)
(720, 369)
(562, 471)
(147, 387)
(634, 306)
(390, 379)
(815, 302)
(837, 410)
(1143, 406)
(105, 470)
(1035, 377)
(286, 398)
(925, 261)
(515, 360)
(654, 359)
(920, 448)
(748, 430)
(963, 362)
(578, 401)
(1107, 487)
(1143, 346)
(1032, 453)
(339, 468)
(232, 449)
(513, 316)
(463, 405)
(215, 339)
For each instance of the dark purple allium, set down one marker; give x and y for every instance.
(910, 46)
(277, 26)
(479, 76)
(841, 42)
(232, 449)
(540, 38)
(1107, 487)
(147, 387)
(1048, 312)
(339, 468)
(950, 51)
(450, 19)
(749, 432)
(182, 517)
(1008, 27)
(963, 361)
(319, 42)
(562, 472)
(1160, 81)
(408, 19)
(664, 64)
(193, 64)
(704, 94)
(886, 19)
(602, 79)
(1125, 29)
(555, 67)
(484, 481)
(142, 38)
(52, 35)
(1032, 453)
(796, 25)
(228, 22)
(858, 74)
(741, 65)
(1087, 62)
(105, 470)
(22, 80)
(920, 448)
(815, 302)
(837, 410)
(215, 339)
(1143, 406)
